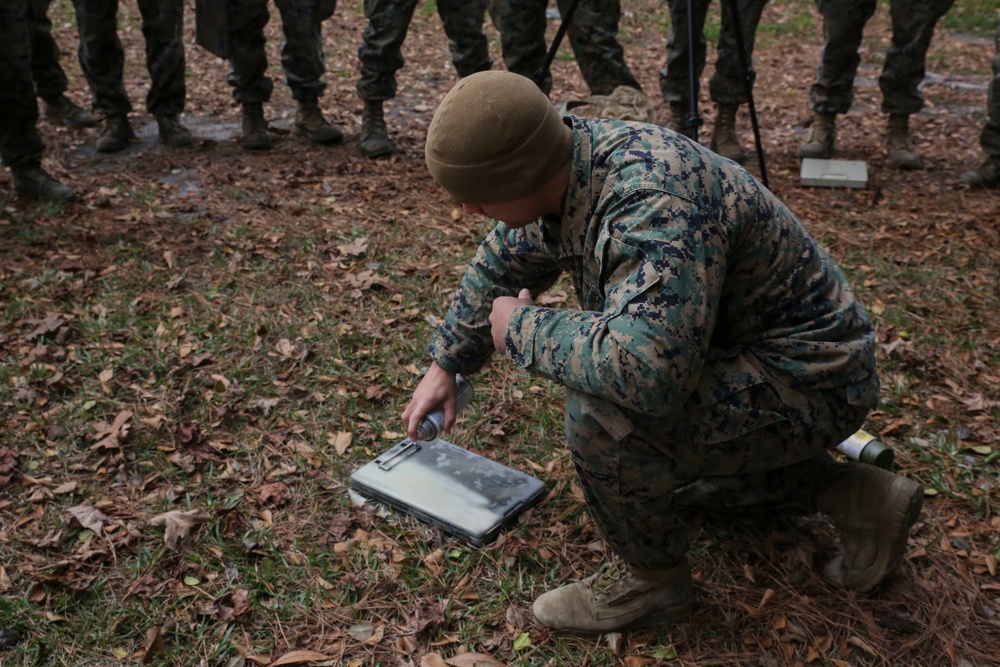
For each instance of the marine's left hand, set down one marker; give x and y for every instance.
(502, 308)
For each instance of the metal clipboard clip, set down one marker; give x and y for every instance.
(397, 454)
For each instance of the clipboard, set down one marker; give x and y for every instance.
(465, 494)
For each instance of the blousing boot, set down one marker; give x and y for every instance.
(63, 110)
(375, 140)
(33, 181)
(902, 152)
(678, 118)
(724, 139)
(172, 132)
(873, 510)
(310, 123)
(822, 135)
(986, 176)
(117, 134)
(255, 136)
(617, 597)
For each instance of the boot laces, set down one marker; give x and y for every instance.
(609, 575)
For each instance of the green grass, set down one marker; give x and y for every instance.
(975, 17)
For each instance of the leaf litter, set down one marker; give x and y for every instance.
(216, 329)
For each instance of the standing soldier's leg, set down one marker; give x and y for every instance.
(522, 37)
(675, 81)
(593, 34)
(833, 91)
(727, 87)
(162, 28)
(381, 57)
(463, 24)
(50, 79)
(20, 146)
(913, 23)
(251, 86)
(988, 174)
(302, 60)
(103, 61)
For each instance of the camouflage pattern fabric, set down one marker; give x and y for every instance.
(388, 21)
(50, 79)
(20, 144)
(990, 137)
(103, 59)
(592, 33)
(715, 337)
(301, 54)
(913, 23)
(728, 82)
(624, 103)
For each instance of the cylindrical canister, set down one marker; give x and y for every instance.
(431, 425)
(866, 448)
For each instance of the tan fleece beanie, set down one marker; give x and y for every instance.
(495, 138)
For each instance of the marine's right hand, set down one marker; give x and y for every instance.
(437, 390)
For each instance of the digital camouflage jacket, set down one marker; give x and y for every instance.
(683, 265)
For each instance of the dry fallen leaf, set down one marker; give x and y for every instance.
(178, 525)
(90, 518)
(361, 631)
(341, 442)
(296, 657)
(154, 644)
(432, 660)
(473, 660)
(110, 437)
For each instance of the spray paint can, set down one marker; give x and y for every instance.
(866, 448)
(431, 425)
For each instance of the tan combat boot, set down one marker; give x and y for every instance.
(63, 110)
(986, 176)
(255, 136)
(375, 140)
(172, 132)
(310, 123)
(724, 139)
(822, 136)
(902, 152)
(873, 510)
(618, 597)
(117, 134)
(33, 181)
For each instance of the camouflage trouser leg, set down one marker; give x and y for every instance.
(913, 23)
(638, 473)
(381, 52)
(728, 82)
(302, 52)
(675, 84)
(843, 25)
(593, 35)
(522, 36)
(50, 79)
(20, 144)
(162, 28)
(247, 19)
(990, 138)
(101, 55)
(463, 24)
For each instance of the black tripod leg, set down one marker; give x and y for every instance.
(539, 76)
(693, 119)
(749, 76)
